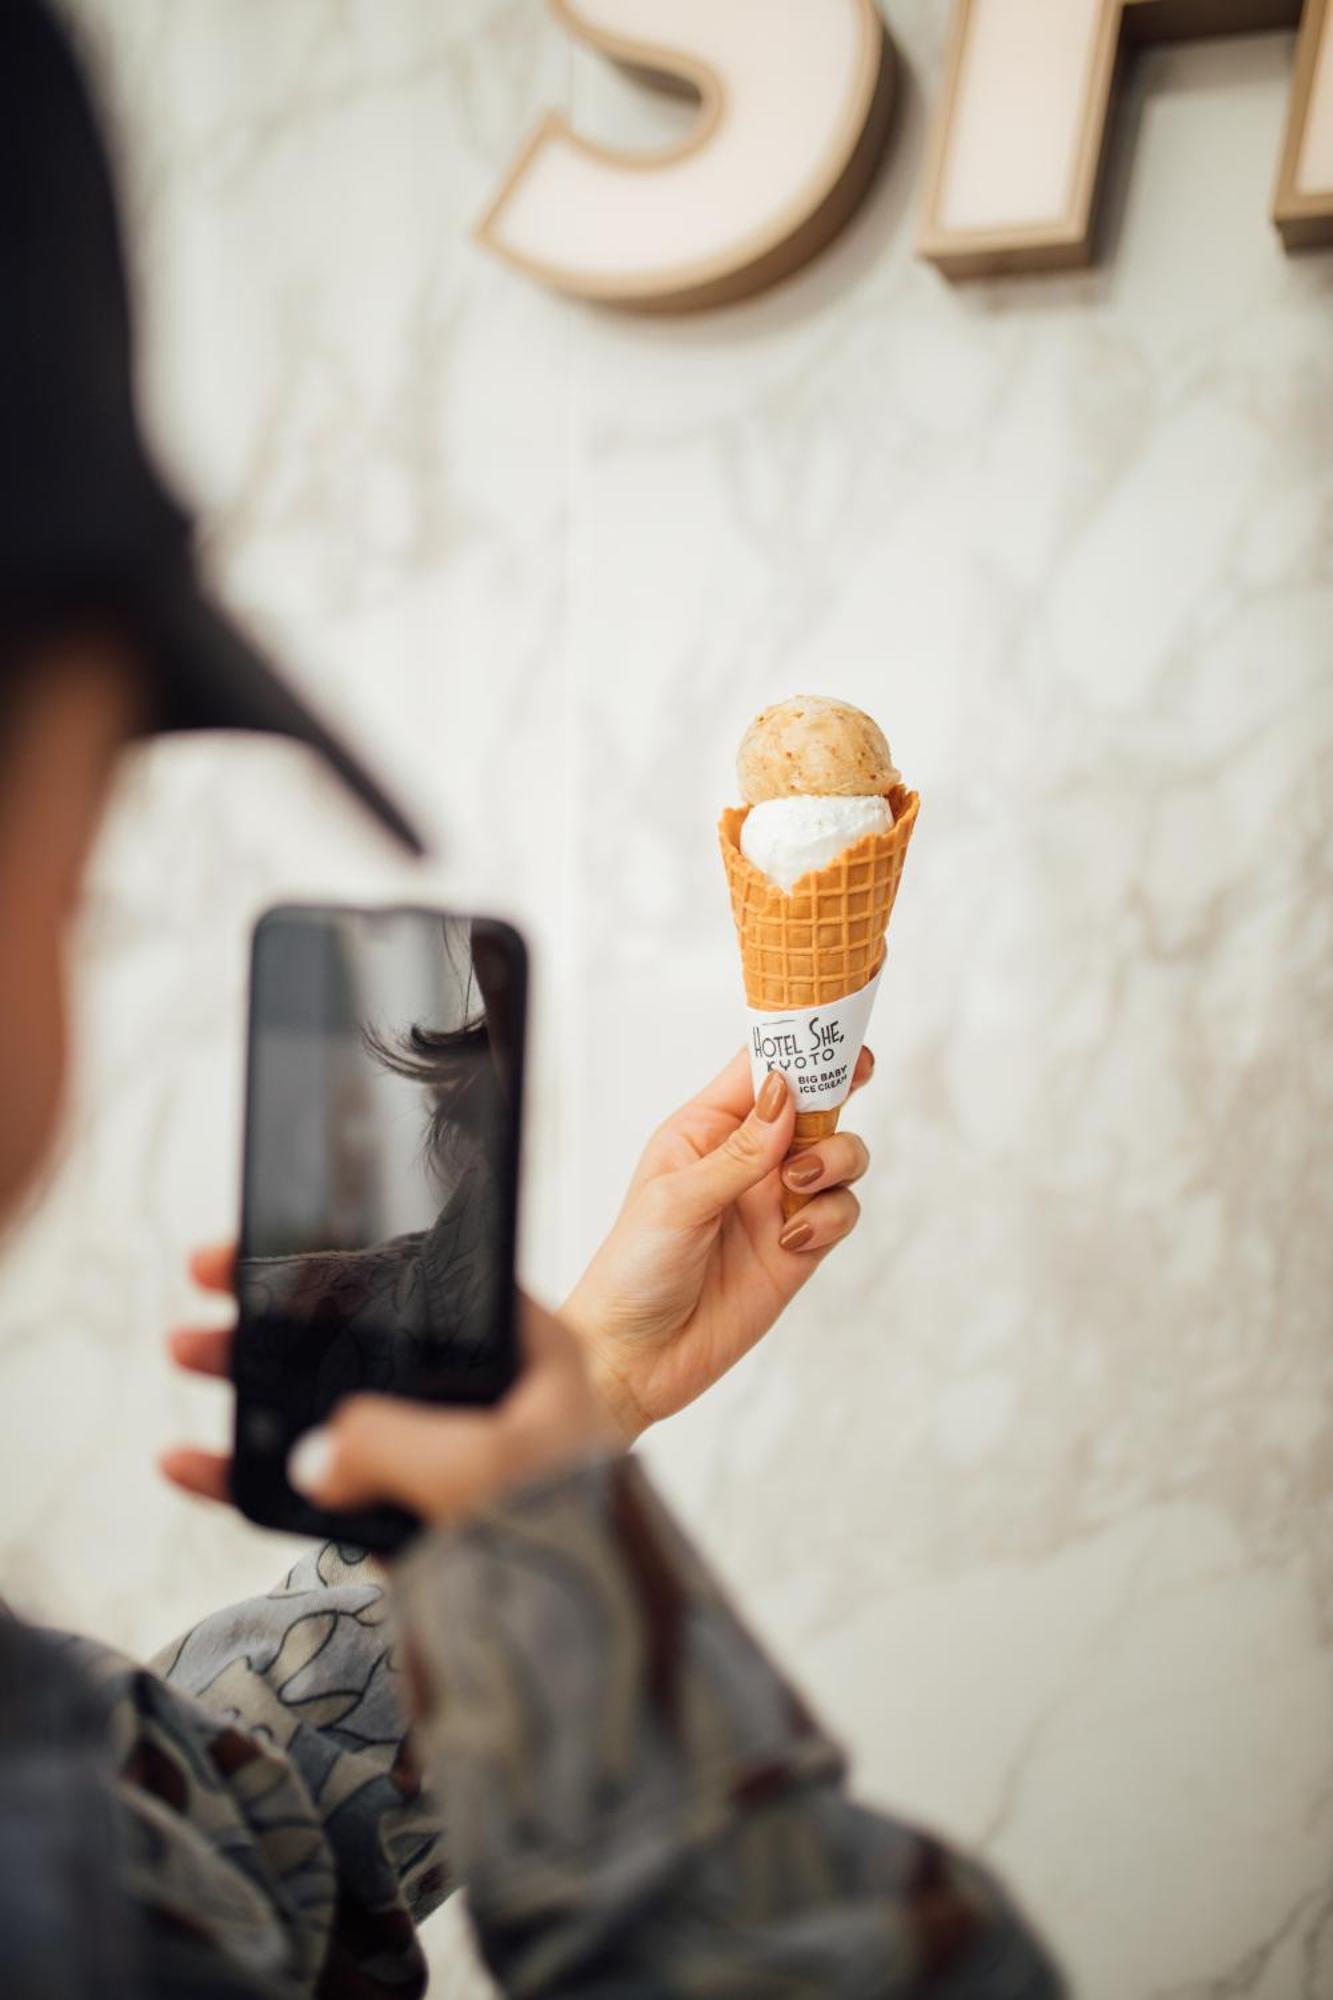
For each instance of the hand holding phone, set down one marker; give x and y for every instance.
(435, 1465)
(380, 1183)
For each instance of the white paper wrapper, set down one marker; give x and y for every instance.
(815, 1047)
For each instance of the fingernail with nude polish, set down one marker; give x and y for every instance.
(795, 1236)
(772, 1098)
(310, 1462)
(802, 1173)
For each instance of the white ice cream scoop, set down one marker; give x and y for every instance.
(787, 838)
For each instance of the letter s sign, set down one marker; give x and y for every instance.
(795, 97)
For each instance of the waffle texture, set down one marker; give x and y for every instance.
(825, 939)
(821, 942)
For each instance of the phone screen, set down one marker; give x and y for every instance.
(378, 1216)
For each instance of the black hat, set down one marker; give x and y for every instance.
(85, 520)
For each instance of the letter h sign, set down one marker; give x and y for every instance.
(1021, 134)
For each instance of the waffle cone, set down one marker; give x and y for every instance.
(822, 941)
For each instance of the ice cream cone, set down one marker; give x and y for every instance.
(822, 941)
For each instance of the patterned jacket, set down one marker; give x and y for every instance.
(635, 1800)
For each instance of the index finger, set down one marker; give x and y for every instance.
(214, 1267)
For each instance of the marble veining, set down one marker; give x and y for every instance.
(1034, 1488)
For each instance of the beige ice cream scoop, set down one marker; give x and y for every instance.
(812, 746)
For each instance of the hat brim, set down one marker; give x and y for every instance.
(211, 677)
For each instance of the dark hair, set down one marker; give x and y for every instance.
(455, 1067)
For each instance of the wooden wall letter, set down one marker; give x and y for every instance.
(1020, 135)
(1303, 208)
(794, 103)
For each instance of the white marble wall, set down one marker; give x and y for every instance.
(1033, 1488)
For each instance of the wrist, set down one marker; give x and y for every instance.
(626, 1416)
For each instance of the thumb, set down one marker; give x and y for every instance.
(440, 1463)
(752, 1151)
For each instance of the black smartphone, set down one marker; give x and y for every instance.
(379, 1207)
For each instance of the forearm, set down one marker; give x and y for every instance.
(312, 1668)
(635, 1793)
